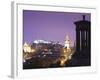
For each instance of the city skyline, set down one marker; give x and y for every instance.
(50, 26)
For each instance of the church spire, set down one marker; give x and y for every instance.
(67, 42)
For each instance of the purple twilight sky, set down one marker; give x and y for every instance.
(51, 26)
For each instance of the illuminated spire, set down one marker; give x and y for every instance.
(67, 42)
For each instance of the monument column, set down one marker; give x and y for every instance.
(78, 40)
(83, 35)
(83, 41)
(86, 38)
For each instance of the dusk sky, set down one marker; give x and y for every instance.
(50, 26)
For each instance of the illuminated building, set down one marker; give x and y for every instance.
(66, 55)
(67, 42)
(27, 48)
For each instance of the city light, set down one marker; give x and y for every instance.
(45, 49)
(27, 48)
(62, 63)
